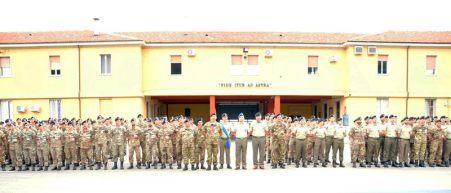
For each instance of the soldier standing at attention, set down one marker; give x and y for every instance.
(420, 141)
(86, 139)
(187, 134)
(70, 145)
(405, 133)
(269, 122)
(448, 141)
(373, 143)
(338, 143)
(300, 131)
(224, 145)
(357, 137)
(320, 143)
(390, 143)
(312, 124)
(43, 148)
(200, 145)
(241, 132)
(15, 151)
(213, 133)
(101, 135)
(177, 140)
(118, 143)
(436, 136)
(151, 136)
(142, 140)
(29, 146)
(165, 133)
(330, 130)
(134, 134)
(280, 134)
(2, 147)
(258, 129)
(56, 141)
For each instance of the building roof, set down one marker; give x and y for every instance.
(242, 37)
(437, 37)
(58, 37)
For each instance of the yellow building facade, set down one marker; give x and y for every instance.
(81, 74)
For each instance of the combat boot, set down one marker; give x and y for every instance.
(341, 164)
(394, 165)
(376, 164)
(67, 167)
(269, 161)
(131, 166)
(58, 168)
(75, 166)
(19, 168)
(122, 165)
(192, 167)
(154, 165)
(439, 165)
(179, 166)
(422, 164)
(209, 167)
(282, 165)
(315, 165)
(202, 166)
(54, 168)
(98, 166)
(386, 165)
(46, 168)
(90, 167)
(274, 166)
(334, 164)
(446, 164)
(105, 166)
(416, 163)
(362, 165)
(138, 165)
(354, 165)
(324, 165)
(163, 166)
(170, 166)
(289, 161)
(3, 167)
(83, 167)
(148, 165)
(221, 166)
(432, 165)
(214, 167)
(26, 167)
(186, 167)
(114, 166)
(40, 168)
(297, 165)
(304, 165)
(228, 166)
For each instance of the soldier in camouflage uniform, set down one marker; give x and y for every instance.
(187, 134)
(311, 140)
(447, 131)
(43, 147)
(165, 133)
(86, 139)
(142, 138)
(151, 136)
(29, 146)
(268, 143)
(391, 142)
(213, 133)
(357, 137)
(70, 146)
(118, 143)
(2, 147)
(56, 142)
(15, 151)
(280, 134)
(420, 141)
(178, 125)
(101, 135)
(436, 136)
(199, 143)
(133, 135)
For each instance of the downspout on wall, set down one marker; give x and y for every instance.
(79, 83)
(407, 81)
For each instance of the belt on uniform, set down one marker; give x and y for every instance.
(258, 136)
(339, 138)
(320, 138)
(300, 139)
(392, 137)
(373, 138)
(241, 137)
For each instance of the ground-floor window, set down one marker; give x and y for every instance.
(430, 107)
(55, 108)
(6, 110)
(382, 106)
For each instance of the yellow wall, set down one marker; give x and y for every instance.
(197, 110)
(297, 109)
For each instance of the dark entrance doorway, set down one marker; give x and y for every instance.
(234, 109)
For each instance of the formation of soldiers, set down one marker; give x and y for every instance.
(29, 144)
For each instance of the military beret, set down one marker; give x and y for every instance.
(357, 119)
(258, 114)
(224, 115)
(381, 116)
(213, 114)
(241, 115)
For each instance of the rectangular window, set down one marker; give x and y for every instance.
(252, 65)
(6, 110)
(237, 67)
(382, 64)
(382, 106)
(430, 107)
(325, 110)
(5, 67)
(430, 64)
(55, 108)
(176, 64)
(105, 64)
(55, 68)
(312, 67)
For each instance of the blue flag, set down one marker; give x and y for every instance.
(227, 134)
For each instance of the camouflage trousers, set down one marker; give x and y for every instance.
(102, 152)
(419, 147)
(268, 147)
(151, 152)
(310, 145)
(404, 150)
(278, 151)
(318, 152)
(178, 151)
(118, 151)
(447, 150)
(372, 155)
(56, 153)
(2, 155)
(143, 145)
(86, 156)
(29, 154)
(199, 153)
(15, 153)
(329, 142)
(188, 152)
(166, 153)
(70, 150)
(212, 153)
(134, 149)
(43, 152)
(357, 152)
(291, 147)
(435, 151)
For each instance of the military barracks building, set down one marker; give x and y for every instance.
(84, 74)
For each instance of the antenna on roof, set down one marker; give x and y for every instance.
(96, 26)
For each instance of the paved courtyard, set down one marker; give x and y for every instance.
(289, 180)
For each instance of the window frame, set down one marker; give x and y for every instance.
(175, 63)
(233, 66)
(59, 108)
(106, 66)
(436, 64)
(379, 105)
(427, 106)
(50, 66)
(382, 70)
(10, 110)
(315, 70)
(10, 69)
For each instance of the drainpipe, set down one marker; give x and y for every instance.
(79, 83)
(407, 80)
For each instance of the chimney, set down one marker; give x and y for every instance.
(95, 26)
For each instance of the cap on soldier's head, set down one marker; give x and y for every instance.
(186, 121)
(357, 119)
(241, 115)
(295, 119)
(443, 117)
(224, 115)
(391, 116)
(278, 115)
(213, 114)
(258, 114)
(381, 116)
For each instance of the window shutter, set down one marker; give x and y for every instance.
(252, 60)
(4, 62)
(54, 62)
(312, 61)
(176, 59)
(382, 57)
(430, 62)
(237, 59)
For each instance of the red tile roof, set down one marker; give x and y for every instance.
(407, 37)
(242, 37)
(58, 37)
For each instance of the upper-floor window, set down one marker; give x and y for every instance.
(237, 65)
(105, 64)
(5, 68)
(55, 68)
(382, 64)
(252, 65)
(312, 67)
(176, 64)
(430, 65)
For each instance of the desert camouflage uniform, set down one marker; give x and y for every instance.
(357, 134)
(151, 136)
(56, 142)
(279, 131)
(199, 142)
(420, 141)
(15, 151)
(70, 145)
(213, 134)
(43, 147)
(187, 135)
(118, 143)
(29, 145)
(2, 147)
(86, 148)
(165, 133)
(134, 146)
(101, 135)
(436, 143)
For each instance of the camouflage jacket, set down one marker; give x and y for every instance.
(85, 139)
(134, 134)
(187, 134)
(101, 133)
(212, 132)
(70, 136)
(42, 139)
(278, 130)
(118, 135)
(14, 135)
(165, 133)
(56, 138)
(420, 132)
(151, 135)
(29, 135)
(358, 134)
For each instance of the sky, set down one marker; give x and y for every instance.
(228, 15)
